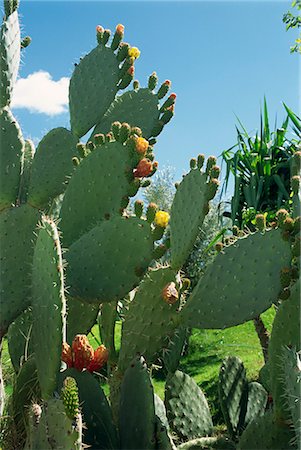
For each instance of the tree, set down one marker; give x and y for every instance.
(293, 21)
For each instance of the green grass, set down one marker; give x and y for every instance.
(206, 350)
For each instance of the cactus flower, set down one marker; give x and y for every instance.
(101, 356)
(82, 352)
(144, 168)
(141, 145)
(67, 354)
(134, 52)
(162, 219)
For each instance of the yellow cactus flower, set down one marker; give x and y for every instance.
(141, 145)
(134, 52)
(162, 219)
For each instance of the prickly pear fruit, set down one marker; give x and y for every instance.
(82, 352)
(101, 356)
(144, 168)
(67, 354)
(170, 294)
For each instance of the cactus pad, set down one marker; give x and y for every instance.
(19, 339)
(92, 89)
(137, 108)
(9, 56)
(88, 316)
(96, 190)
(242, 282)
(48, 306)
(187, 408)
(52, 166)
(11, 149)
(265, 433)
(103, 264)
(137, 420)
(283, 335)
(149, 320)
(188, 212)
(17, 237)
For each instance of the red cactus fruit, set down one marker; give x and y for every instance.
(101, 355)
(67, 354)
(144, 168)
(120, 29)
(82, 352)
(99, 29)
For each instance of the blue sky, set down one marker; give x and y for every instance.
(222, 58)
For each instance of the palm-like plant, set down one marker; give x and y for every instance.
(260, 166)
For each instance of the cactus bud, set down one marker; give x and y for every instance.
(159, 251)
(122, 51)
(185, 284)
(157, 128)
(82, 352)
(281, 216)
(146, 183)
(136, 131)
(200, 160)
(99, 34)
(161, 219)
(297, 225)
(106, 36)
(99, 139)
(260, 220)
(144, 168)
(284, 294)
(152, 141)
(170, 294)
(152, 81)
(90, 145)
(116, 130)
(288, 224)
(141, 145)
(169, 102)
(25, 42)
(297, 160)
(193, 163)
(124, 132)
(100, 358)
(75, 161)
(235, 230)
(138, 207)
(211, 161)
(214, 172)
(295, 184)
(167, 116)
(212, 187)
(135, 85)
(67, 354)
(163, 89)
(81, 148)
(285, 276)
(118, 36)
(151, 212)
(296, 247)
(219, 246)
(69, 396)
(128, 78)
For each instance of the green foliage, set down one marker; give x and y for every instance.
(260, 167)
(294, 21)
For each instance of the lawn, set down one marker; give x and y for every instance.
(206, 350)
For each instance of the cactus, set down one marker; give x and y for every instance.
(79, 192)
(187, 408)
(241, 401)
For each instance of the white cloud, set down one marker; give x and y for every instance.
(41, 94)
